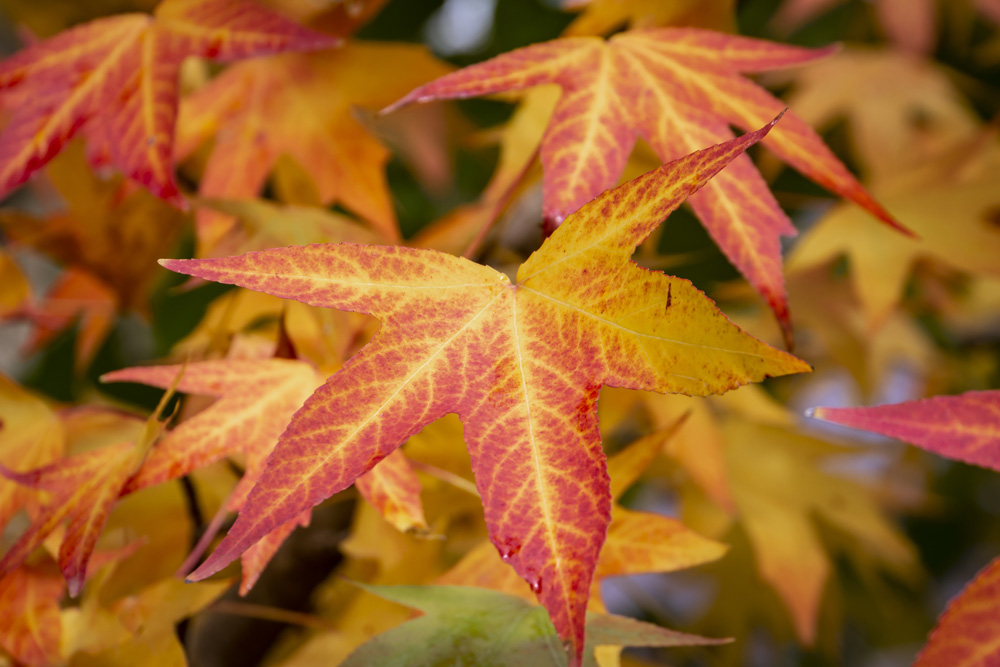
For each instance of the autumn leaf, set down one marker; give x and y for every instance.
(257, 399)
(473, 626)
(31, 628)
(910, 24)
(637, 542)
(31, 436)
(301, 106)
(77, 296)
(598, 17)
(964, 428)
(966, 635)
(900, 111)
(520, 364)
(82, 490)
(781, 489)
(679, 89)
(115, 79)
(109, 228)
(145, 622)
(29, 614)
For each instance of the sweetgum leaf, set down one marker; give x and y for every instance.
(116, 79)
(301, 105)
(521, 364)
(968, 632)
(474, 626)
(679, 89)
(965, 427)
(257, 399)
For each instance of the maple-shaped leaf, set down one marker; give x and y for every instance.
(29, 614)
(31, 629)
(968, 632)
(108, 227)
(901, 111)
(679, 89)
(31, 435)
(301, 105)
(881, 261)
(257, 399)
(521, 364)
(472, 626)
(780, 489)
(116, 79)
(77, 296)
(637, 542)
(82, 489)
(964, 428)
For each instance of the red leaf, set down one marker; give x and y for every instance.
(118, 77)
(968, 632)
(965, 427)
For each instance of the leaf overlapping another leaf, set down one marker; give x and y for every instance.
(521, 364)
(679, 89)
(116, 80)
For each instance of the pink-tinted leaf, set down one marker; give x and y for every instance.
(965, 427)
(968, 632)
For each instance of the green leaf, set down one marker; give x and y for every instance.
(475, 626)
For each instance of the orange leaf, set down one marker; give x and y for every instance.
(256, 400)
(521, 364)
(30, 626)
(84, 488)
(679, 89)
(110, 228)
(392, 487)
(30, 436)
(300, 105)
(116, 78)
(76, 295)
(968, 632)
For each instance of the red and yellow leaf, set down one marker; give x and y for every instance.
(30, 436)
(637, 542)
(76, 296)
(521, 364)
(108, 227)
(965, 427)
(679, 89)
(30, 626)
(968, 632)
(393, 488)
(117, 80)
(83, 489)
(257, 399)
